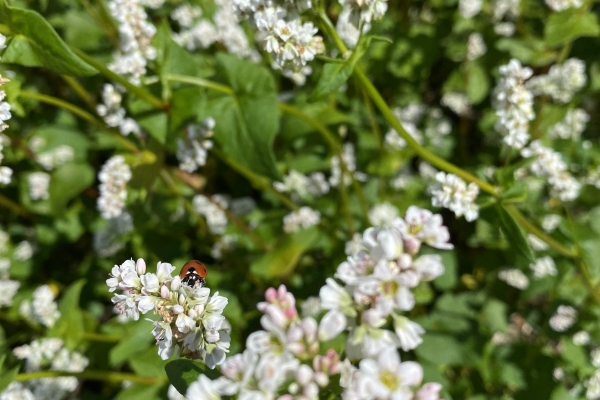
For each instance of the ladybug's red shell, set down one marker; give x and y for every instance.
(193, 273)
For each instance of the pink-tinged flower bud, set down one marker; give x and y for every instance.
(429, 391)
(140, 266)
(404, 261)
(177, 309)
(310, 328)
(176, 284)
(164, 292)
(291, 313)
(192, 313)
(412, 245)
(271, 295)
(277, 316)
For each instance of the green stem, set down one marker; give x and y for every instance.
(80, 91)
(531, 228)
(16, 208)
(100, 337)
(81, 113)
(140, 92)
(105, 376)
(258, 181)
(201, 82)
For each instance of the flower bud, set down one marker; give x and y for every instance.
(192, 313)
(271, 295)
(199, 308)
(293, 388)
(404, 261)
(164, 292)
(177, 309)
(412, 245)
(176, 284)
(140, 266)
(181, 299)
(304, 375)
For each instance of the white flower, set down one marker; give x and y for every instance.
(561, 82)
(513, 104)
(536, 243)
(303, 218)
(453, 193)
(332, 324)
(469, 8)
(38, 185)
(571, 127)
(23, 251)
(550, 222)
(192, 151)
(560, 5)
(408, 332)
(515, 278)
(42, 309)
(338, 176)
(202, 389)
(475, 46)
(581, 338)
(543, 267)
(564, 318)
(421, 225)
(5, 175)
(459, 103)
(382, 214)
(212, 210)
(386, 377)
(113, 176)
(8, 289)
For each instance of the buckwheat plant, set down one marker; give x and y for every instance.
(190, 322)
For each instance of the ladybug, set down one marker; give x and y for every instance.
(193, 273)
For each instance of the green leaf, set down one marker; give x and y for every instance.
(566, 26)
(68, 181)
(282, 260)
(247, 122)
(514, 234)
(440, 349)
(182, 373)
(478, 84)
(493, 316)
(34, 43)
(188, 105)
(8, 377)
(450, 276)
(134, 344)
(140, 392)
(530, 50)
(335, 74)
(69, 326)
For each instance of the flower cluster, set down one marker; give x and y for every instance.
(113, 114)
(303, 218)
(515, 278)
(303, 186)
(213, 210)
(422, 123)
(560, 5)
(191, 323)
(561, 82)
(5, 172)
(469, 8)
(475, 46)
(382, 214)
(543, 267)
(193, 150)
(571, 127)
(38, 185)
(43, 309)
(453, 193)
(550, 165)
(44, 353)
(514, 104)
(135, 37)
(196, 32)
(459, 103)
(359, 14)
(292, 43)
(51, 158)
(564, 318)
(113, 176)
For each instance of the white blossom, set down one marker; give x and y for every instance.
(475, 46)
(458, 102)
(550, 222)
(513, 104)
(452, 192)
(563, 319)
(8, 289)
(536, 243)
(469, 8)
(113, 114)
(42, 310)
(38, 185)
(345, 175)
(212, 209)
(303, 218)
(543, 267)
(382, 214)
(571, 127)
(560, 5)
(113, 177)
(193, 150)
(515, 278)
(562, 81)
(581, 338)
(23, 251)
(55, 157)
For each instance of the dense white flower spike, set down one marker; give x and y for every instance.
(113, 177)
(560, 5)
(191, 323)
(38, 185)
(213, 211)
(458, 102)
(571, 127)
(421, 122)
(113, 114)
(42, 310)
(514, 104)
(550, 165)
(193, 150)
(515, 278)
(561, 82)
(565, 317)
(281, 32)
(303, 218)
(135, 37)
(452, 192)
(42, 354)
(543, 267)
(475, 46)
(469, 8)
